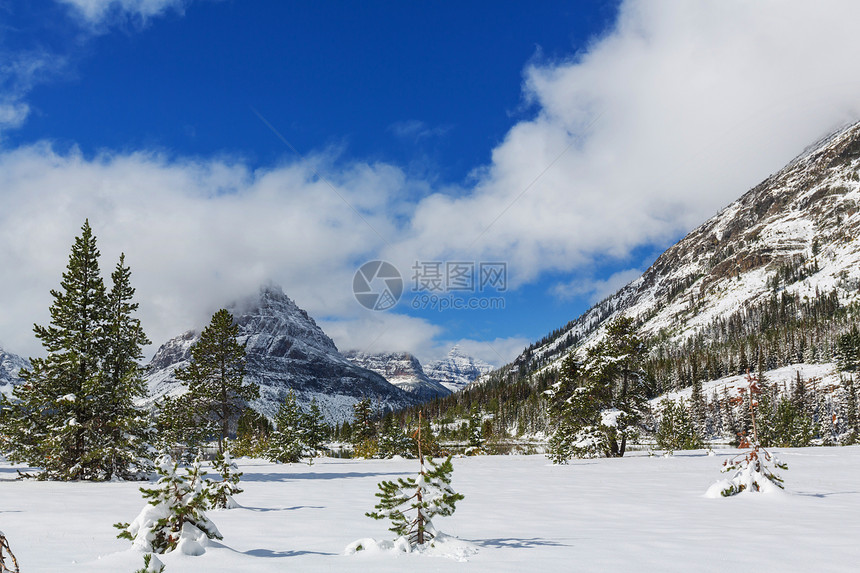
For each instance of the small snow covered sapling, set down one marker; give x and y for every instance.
(175, 515)
(151, 564)
(411, 503)
(221, 492)
(754, 470)
(7, 555)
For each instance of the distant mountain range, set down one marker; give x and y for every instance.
(401, 369)
(457, 370)
(286, 350)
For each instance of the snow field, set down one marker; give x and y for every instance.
(638, 513)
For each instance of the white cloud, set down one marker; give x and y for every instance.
(196, 234)
(98, 12)
(595, 289)
(660, 123)
(648, 132)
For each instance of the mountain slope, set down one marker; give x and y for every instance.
(401, 369)
(795, 233)
(10, 368)
(285, 350)
(457, 370)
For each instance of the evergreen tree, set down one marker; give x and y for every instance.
(427, 496)
(216, 373)
(364, 435)
(698, 409)
(252, 434)
(74, 415)
(616, 365)
(125, 449)
(850, 413)
(175, 514)
(287, 442)
(676, 430)
(754, 470)
(221, 492)
(393, 440)
(575, 405)
(476, 432)
(316, 431)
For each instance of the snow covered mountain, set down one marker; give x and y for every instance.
(401, 369)
(10, 368)
(796, 232)
(457, 370)
(285, 350)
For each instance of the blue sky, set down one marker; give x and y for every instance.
(223, 144)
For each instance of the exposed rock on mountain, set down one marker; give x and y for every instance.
(457, 370)
(401, 369)
(286, 350)
(795, 233)
(10, 368)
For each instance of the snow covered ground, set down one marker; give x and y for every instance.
(638, 513)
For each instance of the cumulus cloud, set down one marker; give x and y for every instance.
(671, 115)
(197, 234)
(595, 290)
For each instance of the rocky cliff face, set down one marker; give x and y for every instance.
(805, 218)
(457, 370)
(401, 369)
(286, 350)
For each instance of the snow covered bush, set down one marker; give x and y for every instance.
(221, 492)
(754, 470)
(151, 564)
(175, 516)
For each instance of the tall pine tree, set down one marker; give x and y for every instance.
(215, 376)
(74, 414)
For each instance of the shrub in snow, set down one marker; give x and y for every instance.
(151, 564)
(221, 492)
(753, 470)
(412, 503)
(393, 440)
(676, 430)
(288, 442)
(175, 516)
(476, 433)
(7, 558)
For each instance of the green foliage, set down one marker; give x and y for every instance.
(151, 564)
(221, 492)
(252, 434)
(287, 442)
(214, 377)
(676, 430)
(476, 433)
(75, 414)
(363, 426)
(412, 503)
(393, 440)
